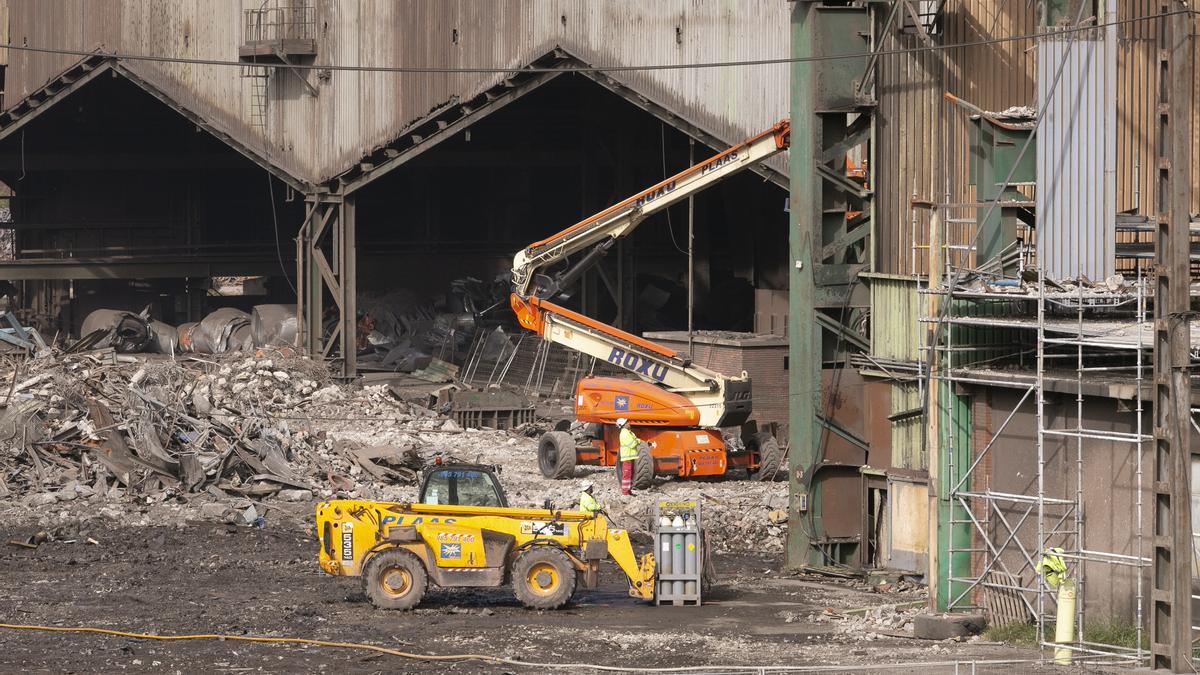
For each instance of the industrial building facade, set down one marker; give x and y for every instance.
(345, 150)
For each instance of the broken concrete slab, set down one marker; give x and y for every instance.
(948, 626)
(295, 495)
(213, 511)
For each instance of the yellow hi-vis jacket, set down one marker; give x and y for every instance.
(1053, 567)
(629, 445)
(588, 503)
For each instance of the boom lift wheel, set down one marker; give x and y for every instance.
(643, 468)
(770, 456)
(543, 577)
(395, 579)
(556, 455)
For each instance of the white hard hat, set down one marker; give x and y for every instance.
(621, 421)
(588, 485)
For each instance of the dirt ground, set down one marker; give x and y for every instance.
(198, 577)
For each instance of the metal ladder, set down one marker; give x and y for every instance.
(260, 79)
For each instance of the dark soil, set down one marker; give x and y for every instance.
(202, 578)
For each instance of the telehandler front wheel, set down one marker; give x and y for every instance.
(395, 579)
(543, 578)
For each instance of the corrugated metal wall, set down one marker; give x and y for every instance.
(356, 111)
(908, 435)
(896, 332)
(922, 140)
(1076, 205)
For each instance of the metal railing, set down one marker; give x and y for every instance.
(279, 22)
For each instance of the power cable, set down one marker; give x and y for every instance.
(662, 144)
(275, 222)
(476, 657)
(595, 69)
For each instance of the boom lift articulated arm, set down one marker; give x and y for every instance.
(533, 287)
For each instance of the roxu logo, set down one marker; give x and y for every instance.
(638, 364)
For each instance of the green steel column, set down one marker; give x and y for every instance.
(953, 532)
(804, 346)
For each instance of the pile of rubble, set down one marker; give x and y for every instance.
(401, 331)
(868, 623)
(223, 330)
(114, 433)
(102, 423)
(1028, 284)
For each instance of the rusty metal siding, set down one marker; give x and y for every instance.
(763, 357)
(1076, 204)
(355, 112)
(908, 434)
(923, 141)
(908, 89)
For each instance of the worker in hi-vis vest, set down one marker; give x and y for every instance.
(588, 503)
(629, 452)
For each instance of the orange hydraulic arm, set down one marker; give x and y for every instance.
(532, 287)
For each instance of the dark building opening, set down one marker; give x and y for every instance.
(557, 155)
(120, 201)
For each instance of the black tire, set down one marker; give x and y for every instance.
(395, 579)
(543, 578)
(770, 456)
(643, 468)
(556, 455)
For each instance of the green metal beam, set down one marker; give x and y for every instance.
(830, 118)
(804, 346)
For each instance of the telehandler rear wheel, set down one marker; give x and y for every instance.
(770, 456)
(556, 455)
(395, 579)
(543, 578)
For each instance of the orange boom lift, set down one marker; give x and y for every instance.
(675, 406)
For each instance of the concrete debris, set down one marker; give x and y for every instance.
(400, 332)
(102, 426)
(151, 438)
(870, 623)
(1028, 282)
(947, 626)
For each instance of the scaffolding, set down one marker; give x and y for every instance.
(1022, 348)
(1010, 530)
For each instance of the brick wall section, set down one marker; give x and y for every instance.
(762, 356)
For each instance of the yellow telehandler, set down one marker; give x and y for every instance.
(462, 533)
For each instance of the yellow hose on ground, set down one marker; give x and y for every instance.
(469, 657)
(249, 638)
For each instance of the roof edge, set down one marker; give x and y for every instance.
(89, 68)
(445, 121)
